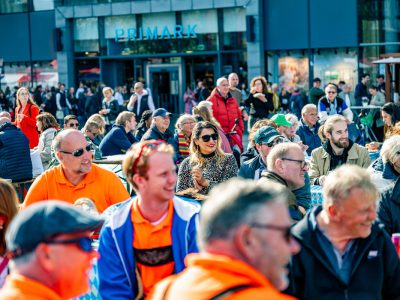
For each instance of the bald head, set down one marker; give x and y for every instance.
(233, 80)
(5, 114)
(66, 136)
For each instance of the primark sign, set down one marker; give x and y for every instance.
(155, 33)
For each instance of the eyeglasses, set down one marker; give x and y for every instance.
(74, 125)
(287, 230)
(303, 163)
(149, 145)
(331, 92)
(79, 152)
(273, 143)
(206, 138)
(84, 243)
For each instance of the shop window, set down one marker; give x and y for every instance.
(43, 5)
(334, 65)
(13, 6)
(88, 70)
(293, 70)
(86, 35)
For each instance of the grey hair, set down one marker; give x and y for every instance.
(233, 203)
(391, 149)
(279, 151)
(219, 80)
(339, 184)
(306, 107)
(292, 119)
(182, 119)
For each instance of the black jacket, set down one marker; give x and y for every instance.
(154, 134)
(375, 273)
(389, 209)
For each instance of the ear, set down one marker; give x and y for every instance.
(59, 155)
(45, 257)
(258, 147)
(245, 241)
(138, 180)
(332, 211)
(279, 164)
(328, 135)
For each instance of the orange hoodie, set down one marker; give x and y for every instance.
(207, 275)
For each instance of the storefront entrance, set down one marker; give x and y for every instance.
(165, 80)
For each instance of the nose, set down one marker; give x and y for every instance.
(294, 246)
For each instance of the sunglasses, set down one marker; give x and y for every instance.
(206, 138)
(79, 152)
(74, 125)
(149, 145)
(273, 143)
(84, 243)
(286, 230)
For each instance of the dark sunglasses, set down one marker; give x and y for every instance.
(206, 138)
(286, 230)
(84, 243)
(79, 152)
(273, 143)
(149, 145)
(74, 125)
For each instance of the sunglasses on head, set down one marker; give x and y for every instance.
(79, 152)
(148, 145)
(84, 243)
(286, 230)
(206, 138)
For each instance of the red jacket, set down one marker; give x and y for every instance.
(28, 123)
(226, 111)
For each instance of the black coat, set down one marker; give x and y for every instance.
(154, 134)
(389, 209)
(375, 273)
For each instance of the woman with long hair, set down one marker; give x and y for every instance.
(8, 209)
(203, 112)
(391, 115)
(25, 116)
(47, 126)
(260, 100)
(207, 164)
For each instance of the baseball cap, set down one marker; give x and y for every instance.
(280, 120)
(266, 134)
(161, 112)
(41, 221)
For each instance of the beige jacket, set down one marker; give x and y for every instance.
(320, 160)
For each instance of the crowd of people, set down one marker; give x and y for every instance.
(208, 214)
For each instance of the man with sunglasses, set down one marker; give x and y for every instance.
(147, 237)
(51, 253)
(71, 121)
(345, 254)
(331, 104)
(76, 176)
(287, 166)
(245, 243)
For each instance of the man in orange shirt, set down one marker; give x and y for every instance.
(146, 238)
(245, 242)
(76, 176)
(51, 254)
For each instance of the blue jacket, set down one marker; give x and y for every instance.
(303, 195)
(117, 141)
(117, 265)
(309, 138)
(15, 158)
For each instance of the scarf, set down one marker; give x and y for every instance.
(183, 144)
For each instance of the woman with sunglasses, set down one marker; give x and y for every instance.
(25, 116)
(207, 164)
(47, 126)
(8, 209)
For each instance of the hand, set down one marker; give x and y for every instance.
(373, 146)
(245, 115)
(322, 180)
(198, 177)
(103, 111)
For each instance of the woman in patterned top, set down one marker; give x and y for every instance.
(182, 137)
(207, 164)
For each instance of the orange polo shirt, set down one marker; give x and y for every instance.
(18, 287)
(152, 247)
(100, 185)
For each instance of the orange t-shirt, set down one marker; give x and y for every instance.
(100, 185)
(152, 247)
(18, 287)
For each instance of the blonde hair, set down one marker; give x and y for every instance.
(330, 123)
(30, 99)
(123, 117)
(107, 88)
(390, 149)
(99, 119)
(8, 208)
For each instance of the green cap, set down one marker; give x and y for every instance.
(280, 120)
